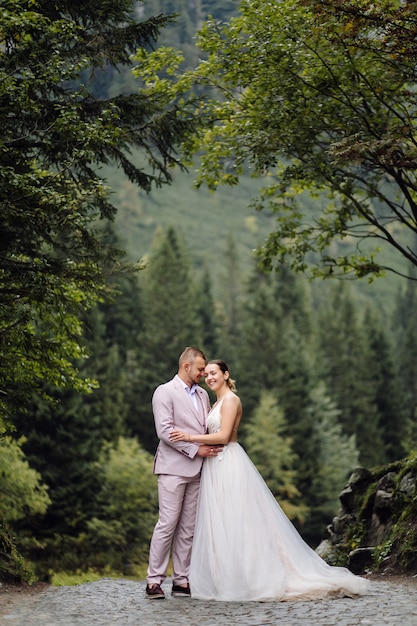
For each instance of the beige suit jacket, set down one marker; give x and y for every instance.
(173, 408)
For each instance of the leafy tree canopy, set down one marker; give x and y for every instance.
(319, 99)
(21, 489)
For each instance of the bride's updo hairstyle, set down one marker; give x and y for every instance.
(223, 366)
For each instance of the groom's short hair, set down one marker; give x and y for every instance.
(190, 354)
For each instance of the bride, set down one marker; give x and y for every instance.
(245, 548)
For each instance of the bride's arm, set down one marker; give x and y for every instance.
(229, 411)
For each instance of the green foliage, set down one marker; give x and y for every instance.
(68, 579)
(79, 577)
(347, 366)
(21, 490)
(127, 507)
(230, 303)
(406, 350)
(64, 438)
(386, 381)
(13, 567)
(337, 456)
(62, 444)
(272, 453)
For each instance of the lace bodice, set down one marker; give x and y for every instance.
(214, 419)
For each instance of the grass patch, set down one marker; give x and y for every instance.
(69, 579)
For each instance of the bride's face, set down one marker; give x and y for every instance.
(215, 378)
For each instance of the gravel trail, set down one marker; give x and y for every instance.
(109, 602)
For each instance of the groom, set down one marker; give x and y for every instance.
(180, 403)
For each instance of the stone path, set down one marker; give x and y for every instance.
(122, 602)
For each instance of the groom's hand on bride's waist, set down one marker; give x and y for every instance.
(206, 450)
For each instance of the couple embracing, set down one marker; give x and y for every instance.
(229, 537)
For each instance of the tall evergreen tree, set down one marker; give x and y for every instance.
(208, 316)
(118, 360)
(230, 300)
(337, 456)
(296, 380)
(405, 328)
(385, 380)
(261, 342)
(274, 356)
(344, 362)
(62, 445)
(271, 451)
(275, 340)
(170, 323)
(55, 134)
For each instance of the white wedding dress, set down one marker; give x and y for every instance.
(245, 548)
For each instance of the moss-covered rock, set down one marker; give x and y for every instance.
(376, 528)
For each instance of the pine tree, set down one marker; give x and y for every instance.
(337, 456)
(56, 135)
(208, 316)
(405, 329)
(274, 356)
(230, 299)
(296, 380)
(261, 340)
(117, 361)
(170, 323)
(270, 450)
(63, 446)
(344, 363)
(274, 341)
(385, 379)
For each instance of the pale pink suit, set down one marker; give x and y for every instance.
(178, 467)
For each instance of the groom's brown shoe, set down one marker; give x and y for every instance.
(154, 592)
(178, 591)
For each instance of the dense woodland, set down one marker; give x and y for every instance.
(326, 370)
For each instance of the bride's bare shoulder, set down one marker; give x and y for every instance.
(232, 399)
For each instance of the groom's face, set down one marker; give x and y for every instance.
(196, 370)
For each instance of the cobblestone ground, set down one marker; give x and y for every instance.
(119, 602)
